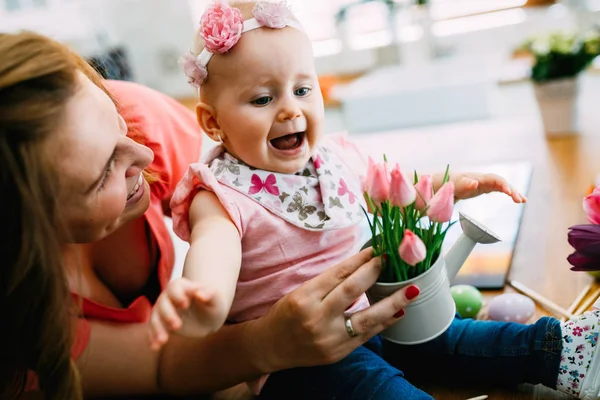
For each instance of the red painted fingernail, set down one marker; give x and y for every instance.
(399, 314)
(412, 292)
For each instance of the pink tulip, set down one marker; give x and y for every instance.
(402, 192)
(412, 249)
(424, 190)
(378, 182)
(591, 206)
(370, 173)
(441, 204)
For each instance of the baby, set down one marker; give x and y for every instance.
(277, 201)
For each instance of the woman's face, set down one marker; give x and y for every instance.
(99, 167)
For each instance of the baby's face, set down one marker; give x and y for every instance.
(267, 99)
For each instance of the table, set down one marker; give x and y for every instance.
(563, 170)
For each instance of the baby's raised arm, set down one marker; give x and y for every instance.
(198, 303)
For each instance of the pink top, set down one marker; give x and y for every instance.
(277, 256)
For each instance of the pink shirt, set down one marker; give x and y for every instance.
(277, 256)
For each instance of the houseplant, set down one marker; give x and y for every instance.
(558, 59)
(408, 224)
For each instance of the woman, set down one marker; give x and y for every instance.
(79, 217)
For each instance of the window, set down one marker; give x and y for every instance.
(446, 9)
(18, 5)
(368, 22)
(318, 16)
(12, 5)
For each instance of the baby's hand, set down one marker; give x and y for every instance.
(185, 307)
(468, 185)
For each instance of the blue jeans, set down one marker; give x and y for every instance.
(486, 352)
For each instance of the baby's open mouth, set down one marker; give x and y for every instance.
(288, 142)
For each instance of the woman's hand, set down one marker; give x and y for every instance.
(307, 327)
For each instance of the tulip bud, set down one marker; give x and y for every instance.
(412, 249)
(378, 182)
(402, 192)
(424, 188)
(591, 206)
(442, 203)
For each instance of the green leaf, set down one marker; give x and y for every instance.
(446, 174)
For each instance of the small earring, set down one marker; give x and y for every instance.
(220, 138)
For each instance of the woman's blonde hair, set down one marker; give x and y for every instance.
(38, 76)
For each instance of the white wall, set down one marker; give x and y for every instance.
(155, 33)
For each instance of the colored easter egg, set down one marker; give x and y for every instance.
(511, 307)
(468, 300)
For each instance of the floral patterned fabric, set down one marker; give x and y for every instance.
(580, 340)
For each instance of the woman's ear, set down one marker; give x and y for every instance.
(208, 122)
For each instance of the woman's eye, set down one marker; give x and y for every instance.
(262, 101)
(301, 92)
(107, 174)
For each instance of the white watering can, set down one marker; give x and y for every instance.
(434, 310)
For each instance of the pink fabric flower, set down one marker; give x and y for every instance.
(378, 182)
(412, 249)
(196, 73)
(271, 15)
(402, 192)
(441, 205)
(221, 27)
(591, 206)
(424, 188)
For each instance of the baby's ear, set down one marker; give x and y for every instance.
(206, 118)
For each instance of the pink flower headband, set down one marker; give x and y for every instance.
(222, 26)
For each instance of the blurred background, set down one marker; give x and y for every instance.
(444, 60)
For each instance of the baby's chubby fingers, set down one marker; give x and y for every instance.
(494, 183)
(497, 183)
(203, 295)
(517, 197)
(168, 314)
(181, 291)
(158, 333)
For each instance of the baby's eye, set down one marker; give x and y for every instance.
(262, 101)
(302, 92)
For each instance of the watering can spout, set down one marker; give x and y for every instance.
(473, 233)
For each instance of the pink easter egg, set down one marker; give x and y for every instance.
(511, 307)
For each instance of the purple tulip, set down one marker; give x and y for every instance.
(585, 239)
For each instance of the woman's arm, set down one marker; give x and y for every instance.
(304, 328)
